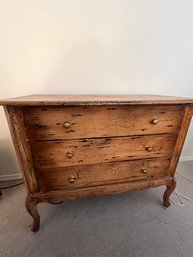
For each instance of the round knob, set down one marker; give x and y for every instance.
(69, 155)
(144, 170)
(72, 180)
(154, 121)
(149, 149)
(67, 124)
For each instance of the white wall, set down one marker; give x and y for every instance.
(89, 46)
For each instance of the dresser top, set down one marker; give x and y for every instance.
(60, 100)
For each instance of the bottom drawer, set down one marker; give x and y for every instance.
(101, 174)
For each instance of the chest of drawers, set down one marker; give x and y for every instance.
(71, 146)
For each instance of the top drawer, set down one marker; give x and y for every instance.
(100, 121)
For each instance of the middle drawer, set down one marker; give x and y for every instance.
(48, 154)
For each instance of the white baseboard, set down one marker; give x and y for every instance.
(186, 158)
(10, 177)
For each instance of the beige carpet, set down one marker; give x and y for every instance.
(132, 224)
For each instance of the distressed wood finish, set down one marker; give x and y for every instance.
(100, 174)
(181, 139)
(80, 100)
(170, 188)
(108, 144)
(104, 121)
(31, 206)
(88, 151)
(15, 121)
(101, 190)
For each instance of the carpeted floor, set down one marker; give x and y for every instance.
(132, 224)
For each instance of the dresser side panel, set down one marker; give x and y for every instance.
(181, 138)
(17, 129)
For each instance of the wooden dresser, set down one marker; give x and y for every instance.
(71, 146)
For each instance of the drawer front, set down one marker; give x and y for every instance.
(89, 151)
(101, 121)
(101, 174)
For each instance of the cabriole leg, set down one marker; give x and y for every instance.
(168, 192)
(31, 207)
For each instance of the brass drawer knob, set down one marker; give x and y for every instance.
(69, 155)
(154, 121)
(149, 149)
(72, 180)
(67, 124)
(144, 170)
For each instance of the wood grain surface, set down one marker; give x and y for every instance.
(49, 154)
(181, 138)
(15, 121)
(101, 121)
(101, 190)
(67, 99)
(101, 174)
(71, 146)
